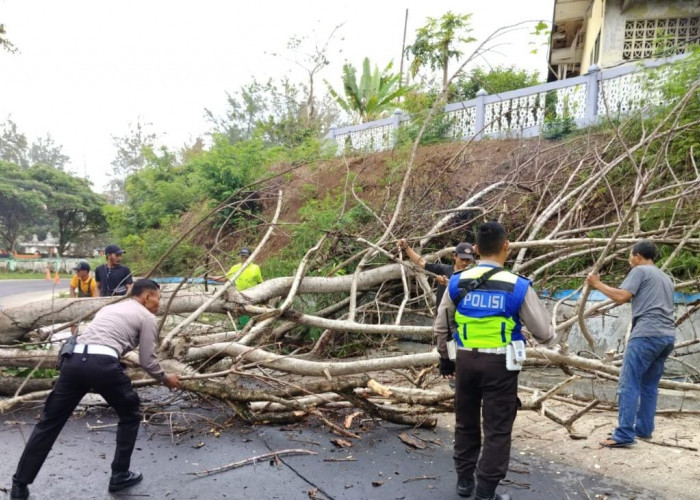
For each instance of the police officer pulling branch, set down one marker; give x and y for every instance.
(90, 362)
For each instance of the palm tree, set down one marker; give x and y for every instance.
(374, 94)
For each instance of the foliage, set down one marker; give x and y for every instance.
(146, 248)
(276, 111)
(437, 129)
(129, 158)
(70, 201)
(438, 42)
(5, 43)
(15, 148)
(21, 201)
(557, 128)
(13, 145)
(228, 167)
(311, 55)
(318, 216)
(158, 192)
(374, 94)
(44, 151)
(494, 81)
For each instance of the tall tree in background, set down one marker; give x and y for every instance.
(129, 158)
(5, 43)
(70, 201)
(494, 81)
(310, 53)
(22, 201)
(14, 145)
(15, 148)
(275, 110)
(374, 94)
(44, 151)
(439, 41)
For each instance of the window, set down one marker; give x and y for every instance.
(595, 53)
(654, 37)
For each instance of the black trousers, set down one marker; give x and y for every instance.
(484, 388)
(80, 374)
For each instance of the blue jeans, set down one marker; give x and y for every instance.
(642, 367)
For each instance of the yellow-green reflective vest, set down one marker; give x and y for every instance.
(488, 316)
(250, 276)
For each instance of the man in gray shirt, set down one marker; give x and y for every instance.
(94, 365)
(651, 341)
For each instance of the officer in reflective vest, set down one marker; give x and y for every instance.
(482, 323)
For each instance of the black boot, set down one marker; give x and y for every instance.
(121, 480)
(494, 496)
(19, 490)
(465, 487)
(483, 494)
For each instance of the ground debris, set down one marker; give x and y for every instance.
(342, 443)
(412, 441)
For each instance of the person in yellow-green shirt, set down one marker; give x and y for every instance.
(250, 277)
(82, 285)
(83, 282)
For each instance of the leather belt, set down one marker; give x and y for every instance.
(485, 350)
(96, 349)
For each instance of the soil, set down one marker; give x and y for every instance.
(659, 465)
(444, 175)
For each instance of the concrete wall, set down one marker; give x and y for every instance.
(613, 35)
(39, 265)
(594, 25)
(609, 331)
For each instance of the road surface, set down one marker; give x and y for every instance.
(17, 292)
(378, 466)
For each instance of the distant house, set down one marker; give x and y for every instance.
(610, 33)
(48, 246)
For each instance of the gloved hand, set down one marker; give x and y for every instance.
(447, 367)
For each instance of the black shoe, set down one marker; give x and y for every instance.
(121, 480)
(19, 490)
(465, 488)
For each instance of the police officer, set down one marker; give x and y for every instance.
(483, 323)
(94, 365)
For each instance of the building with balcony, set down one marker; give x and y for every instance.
(611, 33)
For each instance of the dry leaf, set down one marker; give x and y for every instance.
(341, 443)
(350, 418)
(412, 441)
(377, 483)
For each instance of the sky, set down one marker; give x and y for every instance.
(87, 69)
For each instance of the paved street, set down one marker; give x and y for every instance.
(378, 466)
(18, 292)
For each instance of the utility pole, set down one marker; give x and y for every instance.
(403, 48)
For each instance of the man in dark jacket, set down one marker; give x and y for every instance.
(113, 278)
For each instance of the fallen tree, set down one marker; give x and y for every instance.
(572, 207)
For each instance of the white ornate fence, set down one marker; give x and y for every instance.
(521, 113)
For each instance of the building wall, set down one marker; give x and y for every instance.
(594, 25)
(613, 35)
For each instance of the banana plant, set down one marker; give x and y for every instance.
(375, 93)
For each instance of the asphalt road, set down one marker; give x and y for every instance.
(17, 292)
(378, 466)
